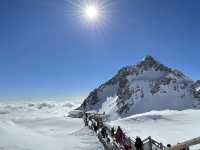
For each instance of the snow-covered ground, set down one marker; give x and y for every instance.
(168, 126)
(43, 126)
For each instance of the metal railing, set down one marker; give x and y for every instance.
(186, 144)
(148, 143)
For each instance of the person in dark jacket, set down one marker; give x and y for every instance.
(103, 132)
(138, 143)
(94, 126)
(112, 131)
(85, 118)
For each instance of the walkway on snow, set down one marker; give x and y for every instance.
(148, 143)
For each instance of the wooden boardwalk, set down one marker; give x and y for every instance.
(186, 145)
(148, 143)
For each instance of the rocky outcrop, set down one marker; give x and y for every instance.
(196, 89)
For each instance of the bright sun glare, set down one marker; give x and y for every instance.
(94, 14)
(91, 12)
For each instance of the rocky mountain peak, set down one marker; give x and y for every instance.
(149, 63)
(149, 59)
(148, 85)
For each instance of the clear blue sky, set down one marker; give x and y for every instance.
(45, 50)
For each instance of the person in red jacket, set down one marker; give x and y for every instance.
(119, 135)
(128, 144)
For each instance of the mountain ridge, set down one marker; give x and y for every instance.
(143, 87)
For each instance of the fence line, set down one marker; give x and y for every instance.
(149, 143)
(186, 144)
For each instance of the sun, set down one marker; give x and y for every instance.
(91, 12)
(95, 15)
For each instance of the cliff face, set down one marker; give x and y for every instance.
(146, 86)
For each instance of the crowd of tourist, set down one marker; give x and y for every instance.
(112, 136)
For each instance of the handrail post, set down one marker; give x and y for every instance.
(150, 143)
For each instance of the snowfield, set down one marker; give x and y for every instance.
(168, 126)
(43, 126)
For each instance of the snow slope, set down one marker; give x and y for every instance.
(168, 126)
(42, 126)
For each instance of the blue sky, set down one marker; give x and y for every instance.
(47, 51)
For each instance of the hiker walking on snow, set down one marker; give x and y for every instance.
(139, 143)
(112, 131)
(85, 118)
(103, 132)
(128, 144)
(119, 135)
(94, 126)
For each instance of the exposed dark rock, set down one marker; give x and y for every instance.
(196, 89)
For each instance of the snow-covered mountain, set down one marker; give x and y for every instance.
(148, 85)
